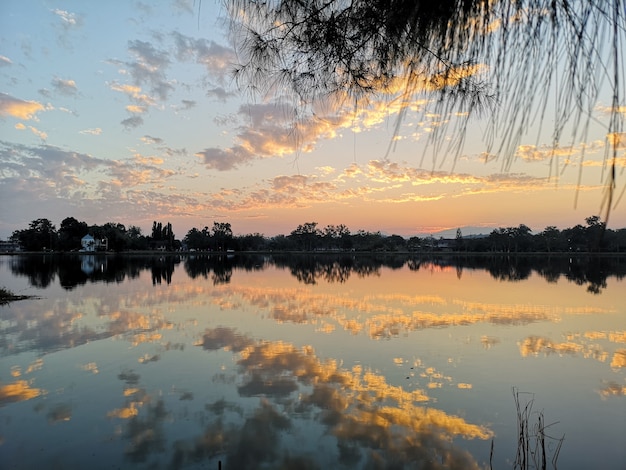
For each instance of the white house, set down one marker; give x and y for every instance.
(88, 243)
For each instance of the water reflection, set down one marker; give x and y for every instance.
(380, 314)
(292, 394)
(19, 390)
(66, 323)
(306, 362)
(76, 270)
(374, 423)
(73, 270)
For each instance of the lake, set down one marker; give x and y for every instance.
(330, 361)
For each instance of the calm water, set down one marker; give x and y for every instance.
(328, 362)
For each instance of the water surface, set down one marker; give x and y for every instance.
(309, 362)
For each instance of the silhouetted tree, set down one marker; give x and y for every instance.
(336, 237)
(548, 239)
(163, 235)
(136, 240)
(197, 240)
(306, 235)
(222, 235)
(522, 238)
(509, 57)
(40, 235)
(459, 245)
(594, 232)
(395, 243)
(70, 233)
(252, 242)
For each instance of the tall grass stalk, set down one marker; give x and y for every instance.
(534, 445)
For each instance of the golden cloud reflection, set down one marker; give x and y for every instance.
(137, 317)
(617, 336)
(20, 390)
(489, 341)
(371, 418)
(382, 315)
(535, 345)
(124, 413)
(619, 359)
(613, 389)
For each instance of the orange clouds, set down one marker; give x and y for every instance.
(379, 181)
(42, 135)
(135, 93)
(14, 107)
(272, 129)
(533, 153)
(617, 140)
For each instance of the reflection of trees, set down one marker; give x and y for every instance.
(374, 424)
(75, 270)
(590, 271)
(309, 269)
(40, 270)
(510, 269)
(162, 270)
(218, 267)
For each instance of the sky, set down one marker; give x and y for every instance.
(128, 112)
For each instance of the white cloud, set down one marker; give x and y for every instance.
(148, 139)
(68, 19)
(93, 131)
(64, 87)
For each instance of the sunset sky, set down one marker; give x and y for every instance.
(127, 112)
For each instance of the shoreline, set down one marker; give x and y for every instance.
(323, 253)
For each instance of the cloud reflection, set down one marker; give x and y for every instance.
(619, 359)
(613, 389)
(59, 413)
(381, 315)
(372, 422)
(20, 390)
(575, 345)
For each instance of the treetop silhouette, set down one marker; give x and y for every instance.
(518, 63)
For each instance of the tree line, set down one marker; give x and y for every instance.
(594, 236)
(42, 235)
